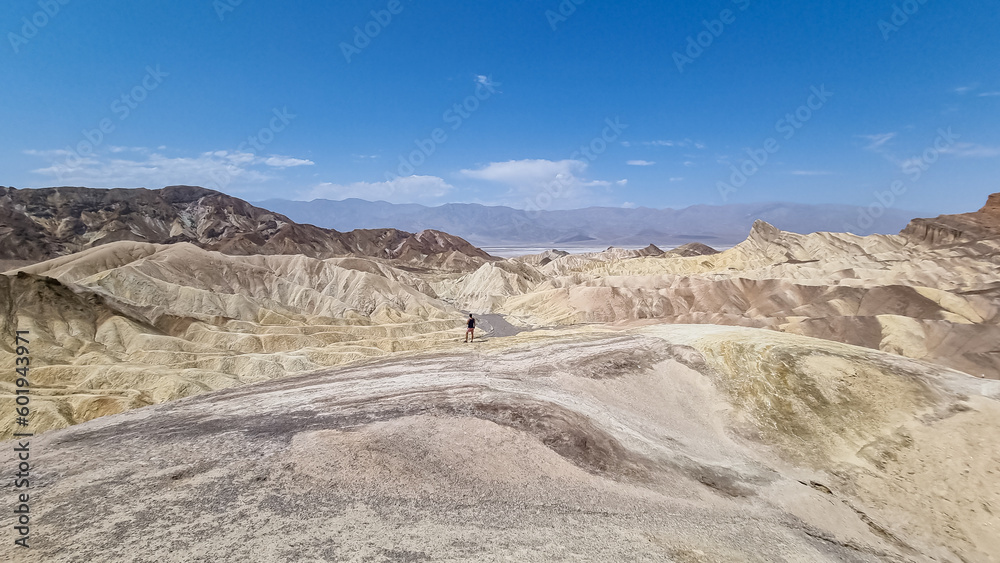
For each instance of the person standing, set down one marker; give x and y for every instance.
(471, 331)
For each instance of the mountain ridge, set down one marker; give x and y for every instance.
(977, 228)
(45, 223)
(593, 226)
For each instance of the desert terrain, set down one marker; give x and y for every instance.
(214, 382)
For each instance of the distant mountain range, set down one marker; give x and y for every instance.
(41, 224)
(496, 226)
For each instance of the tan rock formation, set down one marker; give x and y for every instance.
(127, 324)
(675, 443)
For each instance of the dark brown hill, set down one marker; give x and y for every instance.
(45, 223)
(965, 228)
(694, 249)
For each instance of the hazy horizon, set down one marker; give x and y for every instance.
(264, 201)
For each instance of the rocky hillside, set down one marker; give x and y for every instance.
(38, 225)
(931, 293)
(128, 324)
(980, 227)
(688, 444)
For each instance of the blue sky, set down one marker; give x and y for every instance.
(491, 102)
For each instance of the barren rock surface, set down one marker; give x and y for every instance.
(676, 443)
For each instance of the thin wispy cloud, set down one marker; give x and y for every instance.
(972, 150)
(810, 173)
(137, 166)
(286, 162)
(989, 94)
(141, 150)
(640, 163)
(877, 141)
(685, 143)
(487, 82)
(408, 189)
(879, 145)
(962, 90)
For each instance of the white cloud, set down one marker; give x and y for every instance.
(876, 142)
(629, 205)
(622, 182)
(138, 166)
(971, 150)
(688, 163)
(286, 162)
(408, 189)
(56, 153)
(669, 143)
(989, 94)
(529, 173)
(640, 163)
(487, 82)
(958, 150)
(677, 179)
(116, 150)
(526, 179)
